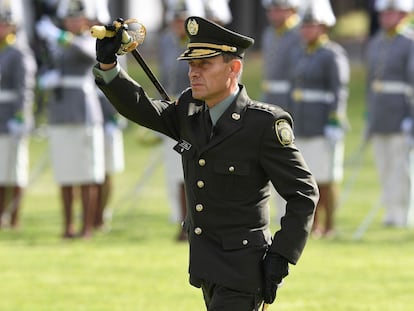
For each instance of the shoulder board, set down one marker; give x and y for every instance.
(272, 109)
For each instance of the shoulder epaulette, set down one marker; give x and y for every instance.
(265, 107)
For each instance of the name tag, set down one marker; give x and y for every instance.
(182, 146)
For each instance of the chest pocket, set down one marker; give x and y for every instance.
(231, 179)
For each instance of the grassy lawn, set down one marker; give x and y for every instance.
(138, 265)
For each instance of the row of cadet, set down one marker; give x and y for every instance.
(308, 74)
(305, 73)
(84, 130)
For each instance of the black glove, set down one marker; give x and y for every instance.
(275, 268)
(107, 47)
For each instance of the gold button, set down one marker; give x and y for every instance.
(199, 207)
(200, 184)
(245, 242)
(231, 169)
(198, 230)
(201, 162)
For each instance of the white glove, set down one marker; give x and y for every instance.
(407, 125)
(110, 128)
(48, 31)
(49, 79)
(406, 129)
(333, 133)
(16, 128)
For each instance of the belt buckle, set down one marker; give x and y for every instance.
(297, 95)
(377, 86)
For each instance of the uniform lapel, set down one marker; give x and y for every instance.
(195, 115)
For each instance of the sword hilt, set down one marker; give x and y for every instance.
(130, 38)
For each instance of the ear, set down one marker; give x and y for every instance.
(236, 66)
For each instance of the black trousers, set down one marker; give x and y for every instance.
(220, 298)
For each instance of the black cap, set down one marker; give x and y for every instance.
(208, 39)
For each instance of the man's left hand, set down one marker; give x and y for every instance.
(275, 269)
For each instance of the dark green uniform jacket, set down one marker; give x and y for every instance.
(227, 181)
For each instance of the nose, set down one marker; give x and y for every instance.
(192, 71)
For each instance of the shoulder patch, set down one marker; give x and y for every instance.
(284, 132)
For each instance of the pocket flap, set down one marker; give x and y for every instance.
(244, 240)
(232, 168)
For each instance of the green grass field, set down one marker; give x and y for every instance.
(138, 266)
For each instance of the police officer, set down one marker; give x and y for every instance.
(74, 113)
(17, 80)
(319, 98)
(232, 148)
(390, 70)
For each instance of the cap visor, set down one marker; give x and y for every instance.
(198, 53)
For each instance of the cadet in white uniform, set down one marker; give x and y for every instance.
(319, 98)
(281, 46)
(74, 113)
(390, 61)
(17, 80)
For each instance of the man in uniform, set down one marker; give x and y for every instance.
(319, 98)
(17, 81)
(390, 68)
(229, 160)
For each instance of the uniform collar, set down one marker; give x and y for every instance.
(217, 111)
(10, 39)
(321, 41)
(291, 22)
(399, 29)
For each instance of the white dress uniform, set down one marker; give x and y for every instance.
(319, 94)
(74, 112)
(17, 81)
(390, 78)
(281, 46)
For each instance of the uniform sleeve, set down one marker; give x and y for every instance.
(292, 179)
(24, 66)
(410, 82)
(131, 101)
(339, 79)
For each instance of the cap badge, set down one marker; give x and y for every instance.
(192, 27)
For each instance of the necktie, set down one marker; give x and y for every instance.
(207, 125)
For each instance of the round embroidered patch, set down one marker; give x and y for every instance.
(284, 132)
